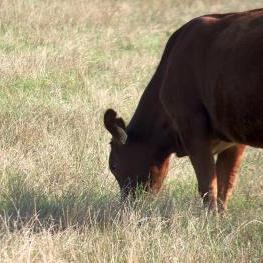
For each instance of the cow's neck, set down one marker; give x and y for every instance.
(150, 123)
(149, 115)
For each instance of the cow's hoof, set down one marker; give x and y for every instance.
(210, 205)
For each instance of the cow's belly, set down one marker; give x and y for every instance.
(244, 126)
(219, 146)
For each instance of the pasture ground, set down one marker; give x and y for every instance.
(62, 63)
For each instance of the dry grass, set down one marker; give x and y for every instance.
(62, 63)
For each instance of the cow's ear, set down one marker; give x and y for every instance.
(120, 122)
(109, 119)
(116, 126)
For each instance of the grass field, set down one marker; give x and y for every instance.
(62, 64)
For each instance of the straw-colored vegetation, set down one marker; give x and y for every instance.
(62, 63)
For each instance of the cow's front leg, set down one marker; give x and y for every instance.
(205, 170)
(227, 165)
(198, 146)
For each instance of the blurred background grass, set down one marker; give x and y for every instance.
(62, 63)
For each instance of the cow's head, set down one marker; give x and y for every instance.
(133, 163)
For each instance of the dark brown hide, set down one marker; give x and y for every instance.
(205, 99)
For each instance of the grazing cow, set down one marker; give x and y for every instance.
(204, 100)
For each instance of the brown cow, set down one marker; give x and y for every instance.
(205, 99)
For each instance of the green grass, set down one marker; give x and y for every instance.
(63, 63)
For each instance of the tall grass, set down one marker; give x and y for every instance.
(62, 63)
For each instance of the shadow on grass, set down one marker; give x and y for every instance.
(21, 205)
